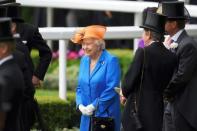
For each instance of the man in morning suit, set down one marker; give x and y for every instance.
(147, 77)
(11, 80)
(181, 91)
(30, 37)
(30, 105)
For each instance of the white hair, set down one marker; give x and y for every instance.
(100, 43)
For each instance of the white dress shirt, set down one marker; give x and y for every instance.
(5, 59)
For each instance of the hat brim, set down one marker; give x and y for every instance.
(75, 41)
(11, 4)
(92, 37)
(81, 40)
(18, 20)
(177, 18)
(7, 39)
(152, 29)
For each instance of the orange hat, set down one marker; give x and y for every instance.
(93, 31)
(78, 36)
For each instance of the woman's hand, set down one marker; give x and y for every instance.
(87, 110)
(90, 109)
(82, 109)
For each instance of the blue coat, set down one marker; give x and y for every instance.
(97, 88)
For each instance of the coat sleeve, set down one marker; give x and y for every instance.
(112, 81)
(186, 67)
(45, 54)
(78, 89)
(132, 77)
(6, 95)
(78, 95)
(21, 60)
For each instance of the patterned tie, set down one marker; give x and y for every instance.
(172, 49)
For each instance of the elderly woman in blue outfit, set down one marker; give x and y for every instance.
(98, 76)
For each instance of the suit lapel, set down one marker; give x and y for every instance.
(182, 35)
(98, 65)
(180, 38)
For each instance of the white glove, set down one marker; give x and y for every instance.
(82, 108)
(86, 111)
(90, 109)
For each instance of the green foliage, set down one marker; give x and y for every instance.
(57, 113)
(53, 66)
(52, 77)
(27, 14)
(125, 57)
(35, 57)
(73, 62)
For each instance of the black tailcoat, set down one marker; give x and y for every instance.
(31, 37)
(21, 60)
(183, 85)
(159, 67)
(12, 93)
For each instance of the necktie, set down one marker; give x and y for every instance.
(172, 49)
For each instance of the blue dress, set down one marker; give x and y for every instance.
(97, 88)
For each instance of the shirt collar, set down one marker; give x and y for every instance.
(150, 43)
(17, 35)
(176, 36)
(5, 59)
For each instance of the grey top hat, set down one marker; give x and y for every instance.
(5, 29)
(154, 22)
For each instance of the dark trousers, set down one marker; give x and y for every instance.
(174, 121)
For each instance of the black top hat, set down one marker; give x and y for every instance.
(5, 29)
(155, 22)
(8, 2)
(3, 12)
(14, 12)
(174, 10)
(148, 9)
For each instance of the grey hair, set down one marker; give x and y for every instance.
(100, 43)
(157, 36)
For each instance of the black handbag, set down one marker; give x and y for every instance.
(102, 124)
(134, 113)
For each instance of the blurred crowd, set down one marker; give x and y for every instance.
(81, 18)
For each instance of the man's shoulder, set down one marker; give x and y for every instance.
(27, 26)
(188, 41)
(9, 68)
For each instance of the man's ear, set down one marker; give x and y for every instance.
(13, 27)
(149, 35)
(4, 49)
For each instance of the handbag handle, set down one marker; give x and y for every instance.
(141, 80)
(94, 114)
